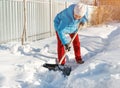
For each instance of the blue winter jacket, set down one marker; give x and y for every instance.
(65, 23)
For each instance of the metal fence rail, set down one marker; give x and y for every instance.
(40, 14)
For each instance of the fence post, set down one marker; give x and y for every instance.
(66, 5)
(50, 3)
(24, 28)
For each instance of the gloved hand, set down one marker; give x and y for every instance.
(81, 24)
(67, 47)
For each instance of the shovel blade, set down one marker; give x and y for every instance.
(66, 70)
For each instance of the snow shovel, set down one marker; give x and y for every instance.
(64, 68)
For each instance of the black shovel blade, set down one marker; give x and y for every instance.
(66, 70)
(50, 66)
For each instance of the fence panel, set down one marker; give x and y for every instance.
(11, 22)
(40, 15)
(38, 20)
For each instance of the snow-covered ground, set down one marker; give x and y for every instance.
(21, 66)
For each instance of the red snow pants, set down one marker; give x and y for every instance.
(61, 49)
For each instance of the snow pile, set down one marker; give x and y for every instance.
(21, 66)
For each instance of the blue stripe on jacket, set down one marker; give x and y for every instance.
(65, 23)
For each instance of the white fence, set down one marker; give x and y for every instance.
(40, 15)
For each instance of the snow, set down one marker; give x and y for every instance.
(21, 66)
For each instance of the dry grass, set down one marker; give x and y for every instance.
(104, 11)
(103, 14)
(108, 2)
